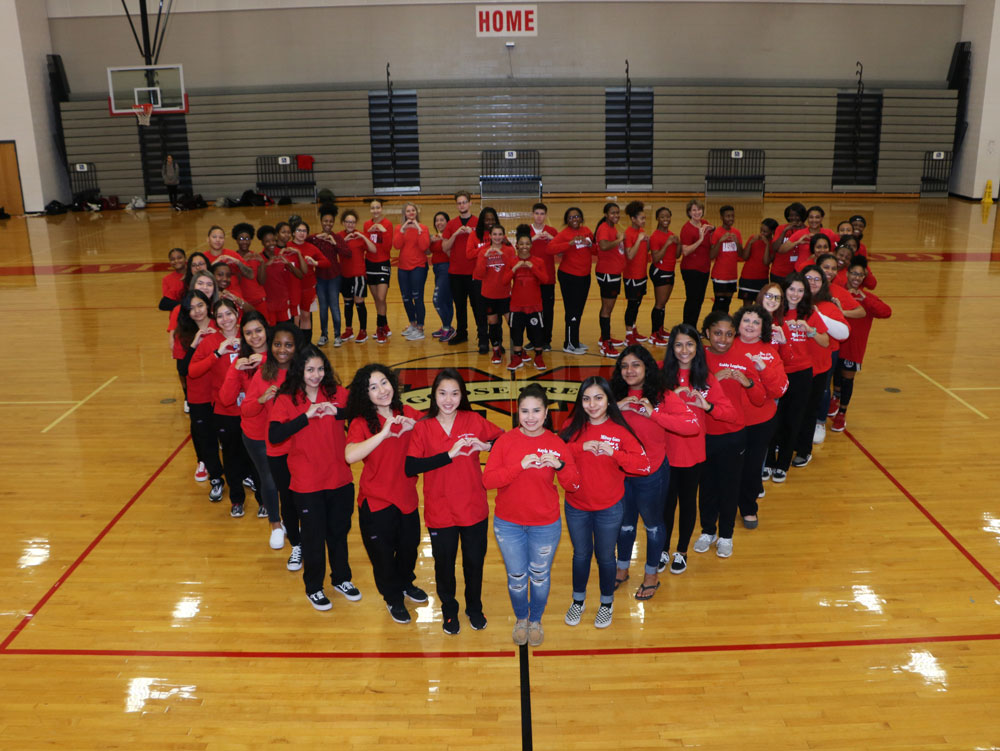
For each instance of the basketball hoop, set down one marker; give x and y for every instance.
(143, 112)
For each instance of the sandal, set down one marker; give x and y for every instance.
(646, 591)
(619, 582)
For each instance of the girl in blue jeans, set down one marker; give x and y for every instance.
(522, 467)
(605, 449)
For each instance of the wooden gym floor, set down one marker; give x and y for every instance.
(862, 614)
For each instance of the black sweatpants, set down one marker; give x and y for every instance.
(758, 439)
(205, 439)
(461, 288)
(289, 515)
(695, 284)
(574, 293)
(720, 482)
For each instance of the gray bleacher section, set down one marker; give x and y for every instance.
(794, 125)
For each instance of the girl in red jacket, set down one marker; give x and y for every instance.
(651, 412)
(380, 436)
(308, 415)
(725, 440)
(685, 372)
(412, 240)
(445, 448)
(606, 450)
(522, 467)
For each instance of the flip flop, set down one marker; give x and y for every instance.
(619, 582)
(646, 592)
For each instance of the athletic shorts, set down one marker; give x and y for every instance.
(635, 288)
(751, 287)
(610, 284)
(723, 288)
(354, 286)
(496, 306)
(850, 366)
(378, 272)
(660, 277)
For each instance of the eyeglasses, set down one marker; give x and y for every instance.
(856, 273)
(772, 296)
(813, 279)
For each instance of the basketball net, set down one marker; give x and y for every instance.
(143, 112)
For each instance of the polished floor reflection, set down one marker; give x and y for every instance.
(861, 614)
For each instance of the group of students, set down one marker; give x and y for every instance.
(726, 410)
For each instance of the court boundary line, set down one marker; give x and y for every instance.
(948, 391)
(79, 404)
(22, 624)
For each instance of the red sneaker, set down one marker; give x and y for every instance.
(660, 338)
(380, 336)
(516, 361)
(616, 342)
(497, 356)
(362, 337)
(839, 422)
(637, 336)
(607, 349)
(347, 335)
(386, 331)
(834, 407)
(630, 339)
(539, 362)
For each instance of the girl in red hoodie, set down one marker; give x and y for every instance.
(606, 450)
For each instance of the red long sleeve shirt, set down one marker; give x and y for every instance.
(670, 415)
(578, 250)
(854, 348)
(699, 259)
(257, 416)
(454, 495)
(739, 396)
(383, 482)
(354, 264)
(528, 496)
(173, 286)
(687, 451)
(206, 372)
(234, 389)
(459, 263)
(539, 250)
(316, 452)
(602, 478)
(772, 377)
(795, 350)
(412, 246)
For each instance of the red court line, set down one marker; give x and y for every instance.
(920, 507)
(194, 654)
(84, 268)
(765, 646)
(80, 559)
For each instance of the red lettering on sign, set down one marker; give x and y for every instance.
(529, 20)
(484, 20)
(513, 20)
(497, 20)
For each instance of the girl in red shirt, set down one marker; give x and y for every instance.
(380, 436)
(494, 270)
(576, 244)
(282, 343)
(696, 244)
(311, 259)
(756, 255)
(378, 269)
(413, 241)
(355, 277)
(541, 235)
(308, 415)
(610, 265)
(527, 302)
(217, 253)
(636, 260)
(664, 248)
(606, 450)
(685, 372)
(445, 448)
(651, 412)
(522, 467)
(795, 245)
(440, 262)
(478, 241)
(253, 291)
(173, 283)
(276, 275)
(725, 442)
(727, 242)
(781, 258)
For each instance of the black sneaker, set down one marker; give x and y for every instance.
(451, 626)
(348, 590)
(458, 339)
(215, 494)
(262, 512)
(319, 601)
(801, 461)
(249, 483)
(398, 612)
(295, 559)
(477, 621)
(664, 562)
(236, 511)
(679, 564)
(484, 348)
(415, 593)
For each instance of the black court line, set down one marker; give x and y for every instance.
(526, 742)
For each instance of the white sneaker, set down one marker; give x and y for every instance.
(409, 330)
(337, 341)
(321, 342)
(187, 407)
(416, 335)
(295, 559)
(574, 613)
(724, 548)
(704, 542)
(819, 434)
(277, 540)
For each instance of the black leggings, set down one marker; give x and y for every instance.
(289, 514)
(720, 482)
(695, 284)
(574, 292)
(683, 491)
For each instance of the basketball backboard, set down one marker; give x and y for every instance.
(159, 85)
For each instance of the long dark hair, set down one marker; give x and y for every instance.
(765, 320)
(480, 225)
(824, 286)
(534, 391)
(815, 239)
(579, 418)
(698, 374)
(187, 328)
(805, 307)
(449, 374)
(269, 370)
(295, 383)
(188, 273)
(652, 385)
(249, 317)
(359, 403)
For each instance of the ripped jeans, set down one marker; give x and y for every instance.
(528, 552)
(644, 496)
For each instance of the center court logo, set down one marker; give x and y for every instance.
(497, 393)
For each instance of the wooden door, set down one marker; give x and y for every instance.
(11, 197)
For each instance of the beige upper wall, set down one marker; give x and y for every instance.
(582, 41)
